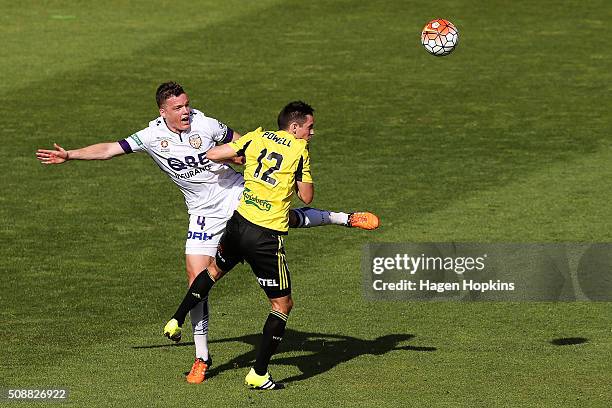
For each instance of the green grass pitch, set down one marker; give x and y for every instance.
(508, 139)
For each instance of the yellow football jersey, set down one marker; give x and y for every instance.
(274, 162)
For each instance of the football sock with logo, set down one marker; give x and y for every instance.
(199, 323)
(307, 217)
(273, 332)
(198, 290)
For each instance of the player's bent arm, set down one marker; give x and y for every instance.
(220, 153)
(239, 160)
(305, 191)
(99, 151)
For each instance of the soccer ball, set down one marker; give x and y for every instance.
(439, 37)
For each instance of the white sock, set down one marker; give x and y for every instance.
(338, 218)
(199, 323)
(201, 345)
(313, 217)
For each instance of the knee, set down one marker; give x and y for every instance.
(215, 272)
(283, 305)
(293, 221)
(191, 275)
(196, 264)
(288, 306)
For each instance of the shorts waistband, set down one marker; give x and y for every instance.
(241, 218)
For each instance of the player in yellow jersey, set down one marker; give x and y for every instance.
(277, 164)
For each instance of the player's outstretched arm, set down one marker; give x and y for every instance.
(99, 151)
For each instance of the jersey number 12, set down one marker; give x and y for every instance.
(266, 176)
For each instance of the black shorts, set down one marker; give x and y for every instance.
(262, 248)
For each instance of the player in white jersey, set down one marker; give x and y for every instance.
(211, 190)
(177, 141)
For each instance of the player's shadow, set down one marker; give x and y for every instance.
(154, 346)
(568, 341)
(322, 352)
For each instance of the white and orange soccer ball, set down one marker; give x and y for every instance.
(439, 37)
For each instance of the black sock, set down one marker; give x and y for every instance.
(273, 332)
(198, 291)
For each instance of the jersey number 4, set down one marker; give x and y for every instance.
(266, 175)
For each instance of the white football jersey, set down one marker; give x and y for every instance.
(210, 188)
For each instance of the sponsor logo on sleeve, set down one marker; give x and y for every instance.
(135, 138)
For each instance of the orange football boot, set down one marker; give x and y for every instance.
(363, 220)
(198, 371)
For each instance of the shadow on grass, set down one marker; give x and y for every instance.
(568, 341)
(153, 346)
(322, 352)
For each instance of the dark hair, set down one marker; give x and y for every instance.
(294, 112)
(166, 90)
